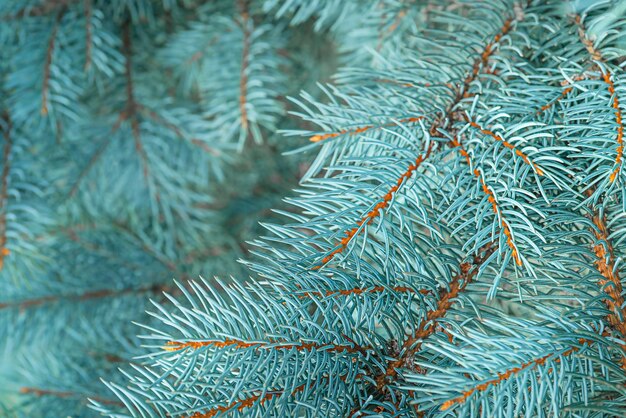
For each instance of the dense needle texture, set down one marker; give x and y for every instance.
(453, 247)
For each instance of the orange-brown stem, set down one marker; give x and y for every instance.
(620, 127)
(243, 404)
(611, 283)
(259, 400)
(596, 55)
(373, 214)
(507, 375)
(272, 345)
(507, 144)
(553, 103)
(605, 258)
(360, 291)
(428, 326)
(491, 197)
(355, 131)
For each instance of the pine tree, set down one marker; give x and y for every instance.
(454, 248)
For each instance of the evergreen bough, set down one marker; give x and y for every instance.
(454, 249)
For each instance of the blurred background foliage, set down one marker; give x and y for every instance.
(130, 160)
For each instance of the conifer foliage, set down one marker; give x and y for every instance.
(454, 248)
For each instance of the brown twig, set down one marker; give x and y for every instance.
(131, 103)
(92, 161)
(48, 62)
(81, 297)
(507, 144)
(468, 272)
(359, 291)
(503, 376)
(375, 212)
(491, 197)
(66, 395)
(596, 55)
(46, 8)
(449, 116)
(611, 284)
(245, 56)
(243, 404)
(177, 131)
(271, 345)
(619, 153)
(355, 131)
(4, 187)
(88, 34)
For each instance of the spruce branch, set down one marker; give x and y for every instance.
(23, 305)
(130, 112)
(88, 34)
(412, 345)
(375, 212)
(360, 291)
(477, 171)
(178, 131)
(355, 131)
(4, 185)
(461, 92)
(620, 127)
(249, 402)
(552, 103)
(611, 284)
(605, 263)
(511, 373)
(46, 8)
(93, 160)
(245, 56)
(269, 345)
(508, 145)
(454, 248)
(68, 394)
(48, 62)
